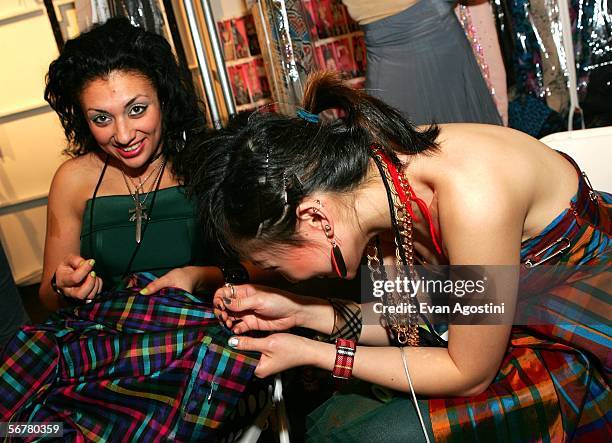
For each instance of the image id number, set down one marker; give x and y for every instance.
(33, 429)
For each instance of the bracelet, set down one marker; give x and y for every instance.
(59, 291)
(236, 274)
(347, 320)
(345, 356)
(56, 288)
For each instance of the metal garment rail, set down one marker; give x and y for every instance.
(228, 97)
(196, 38)
(203, 63)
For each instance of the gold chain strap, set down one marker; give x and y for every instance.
(405, 327)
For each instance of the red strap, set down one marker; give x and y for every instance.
(405, 199)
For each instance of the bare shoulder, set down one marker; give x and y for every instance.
(75, 179)
(505, 166)
(488, 143)
(502, 154)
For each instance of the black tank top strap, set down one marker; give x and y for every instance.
(91, 206)
(100, 178)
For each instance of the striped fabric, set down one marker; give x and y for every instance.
(127, 367)
(554, 382)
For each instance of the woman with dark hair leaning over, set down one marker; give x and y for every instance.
(308, 197)
(137, 354)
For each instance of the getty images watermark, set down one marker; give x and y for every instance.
(489, 295)
(408, 289)
(442, 294)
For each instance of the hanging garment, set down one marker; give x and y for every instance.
(143, 13)
(479, 26)
(128, 367)
(592, 38)
(420, 61)
(541, 66)
(100, 11)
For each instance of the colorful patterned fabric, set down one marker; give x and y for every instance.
(554, 382)
(127, 367)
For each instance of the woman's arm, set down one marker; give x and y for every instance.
(203, 278)
(482, 225)
(457, 371)
(62, 241)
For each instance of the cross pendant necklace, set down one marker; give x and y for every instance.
(138, 214)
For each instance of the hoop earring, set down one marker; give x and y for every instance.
(338, 260)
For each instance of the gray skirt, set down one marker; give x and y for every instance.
(421, 62)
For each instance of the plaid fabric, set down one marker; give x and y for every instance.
(127, 367)
(553, 384)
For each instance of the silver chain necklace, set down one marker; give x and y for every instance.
(139, 212)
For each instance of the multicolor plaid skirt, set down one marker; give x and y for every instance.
(554, 382)
(127, 367)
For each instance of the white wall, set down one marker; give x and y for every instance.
(31, 139)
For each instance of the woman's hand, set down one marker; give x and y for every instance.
(251, 307)
(188, 278)
(76, 278)
(281, 351)
(181, 278)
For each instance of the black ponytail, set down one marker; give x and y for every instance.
(249, 177)
(367, 118)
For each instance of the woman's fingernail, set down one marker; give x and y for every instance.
(233, 342)
(93, 274)
(92, 262)
(144, 291)
(227, 301)
(88, 301)
(81, 264)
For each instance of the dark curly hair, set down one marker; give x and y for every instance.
(118, 46)
(249, 177)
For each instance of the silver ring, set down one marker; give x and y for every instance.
(232, 289)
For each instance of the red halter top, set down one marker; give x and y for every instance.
(411, 197)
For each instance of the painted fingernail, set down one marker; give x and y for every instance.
(144, 291)
(92, 262)
(227, 301)
(88, 301)
(233, 342)
(81, 264)
(93, 274)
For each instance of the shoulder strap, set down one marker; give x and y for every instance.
(93, 202)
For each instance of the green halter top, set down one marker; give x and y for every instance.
(172, 238)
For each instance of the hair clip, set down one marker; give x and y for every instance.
(307, 116)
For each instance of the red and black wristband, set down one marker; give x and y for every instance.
(345, 357)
